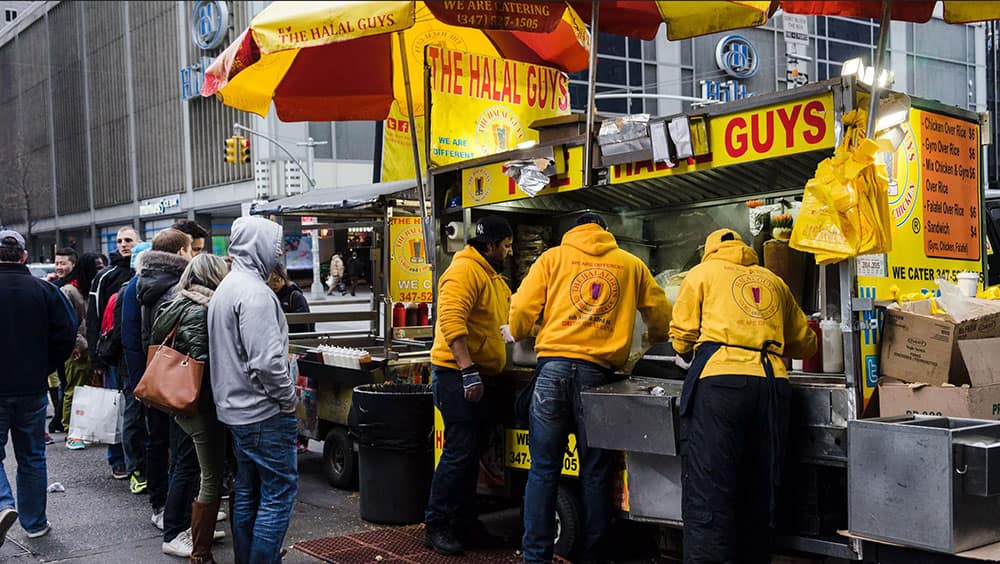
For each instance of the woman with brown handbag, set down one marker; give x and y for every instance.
(188, 314)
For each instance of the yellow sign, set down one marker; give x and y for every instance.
(483, 105)
(517, 455)
(410, 275)
(488, 184)
(935, 201)
(767, 132)
(397, 152)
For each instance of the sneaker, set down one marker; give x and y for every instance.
(181, 546)
(157, 519)
(118, 472)
(75, 444)
(137, 483)
(217, 535)
(221, 516)
(49, 440)
(8, 516)
(41, 533)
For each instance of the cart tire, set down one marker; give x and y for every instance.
(569, 524)
(340, 462)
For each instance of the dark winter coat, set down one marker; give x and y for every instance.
(37, 331)
(160, 273)
(107, 282)
(294, 301)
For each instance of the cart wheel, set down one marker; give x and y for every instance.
(340, 463)
(568, 522)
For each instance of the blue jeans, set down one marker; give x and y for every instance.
(116, 455)
(134, 429)
(24, 418)
(467, 427)
(555, 412)
(266, 483)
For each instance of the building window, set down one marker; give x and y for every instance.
(9, 15)
(355, 140)
(320, 131)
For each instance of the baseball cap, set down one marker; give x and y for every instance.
(592, 218)
(11, 238)
(492, 229)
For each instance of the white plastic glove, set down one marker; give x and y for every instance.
(505, 332)
(681, 363)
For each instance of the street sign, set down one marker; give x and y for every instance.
(796, 28)
(310, 220)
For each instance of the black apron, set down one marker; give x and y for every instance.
(706, 351)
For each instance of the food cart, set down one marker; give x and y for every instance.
(388, 213)
(763, 149)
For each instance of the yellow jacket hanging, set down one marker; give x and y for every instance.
(589, 291)
(728, 299)
(473, 301)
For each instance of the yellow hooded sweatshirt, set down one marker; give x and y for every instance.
(728, 299)
(589, 290)
(473, 301)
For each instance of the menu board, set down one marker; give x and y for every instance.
(950, 172)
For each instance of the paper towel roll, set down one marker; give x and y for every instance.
(455, 231)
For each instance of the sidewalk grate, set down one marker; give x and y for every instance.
(402, 545)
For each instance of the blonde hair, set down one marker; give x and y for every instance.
(204, 270)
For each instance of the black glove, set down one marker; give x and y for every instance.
(470, 376)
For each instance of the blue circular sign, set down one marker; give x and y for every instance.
(209, 23)
(737, 56)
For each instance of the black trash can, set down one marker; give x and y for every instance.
(393, 425)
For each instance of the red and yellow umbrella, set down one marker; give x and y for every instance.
(341, 61)
(684, 19)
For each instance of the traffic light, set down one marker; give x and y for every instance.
(244, 146)
(231, 150)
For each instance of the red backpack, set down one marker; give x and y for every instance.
(108, 347)
(108, 319)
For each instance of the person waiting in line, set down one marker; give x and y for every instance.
(587, 291)
(468, 351)
(739, 319)
(76, 288)
(188, 314)
(134, 433)
(66, 259)
(197, 232)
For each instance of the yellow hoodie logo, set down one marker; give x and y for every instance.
(595, 291)
(755, 295)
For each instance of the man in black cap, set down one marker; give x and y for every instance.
(473, 301)
(37, 334)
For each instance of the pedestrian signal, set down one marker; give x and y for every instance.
(244, 147)
(231, 150)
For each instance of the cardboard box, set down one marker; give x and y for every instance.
(902, 398)
(925, 349)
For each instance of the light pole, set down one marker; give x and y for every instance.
(317, 286)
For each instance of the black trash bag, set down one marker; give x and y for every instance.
(396, 417)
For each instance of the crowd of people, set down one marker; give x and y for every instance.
(98, 319)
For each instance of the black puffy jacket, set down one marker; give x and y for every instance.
(160, 273)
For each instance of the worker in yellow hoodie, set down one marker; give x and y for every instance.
(739, 319)
(468, 350)
(587, 291)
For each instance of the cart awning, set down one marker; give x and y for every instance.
(340, 198)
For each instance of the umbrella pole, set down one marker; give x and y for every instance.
(424, 219)
(883, 44)
(588, 148)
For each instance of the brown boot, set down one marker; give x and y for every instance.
(203, 517)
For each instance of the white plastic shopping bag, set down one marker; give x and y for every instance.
(97, 415)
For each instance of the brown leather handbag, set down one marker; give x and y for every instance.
(172, 381)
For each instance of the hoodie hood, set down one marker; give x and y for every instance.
(118, 260)
(734, 250)
(198, 294)
(591, 239)
(160, 272)
(255, 245)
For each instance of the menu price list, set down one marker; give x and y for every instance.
(950, 178)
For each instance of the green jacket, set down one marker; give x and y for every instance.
(189, 312)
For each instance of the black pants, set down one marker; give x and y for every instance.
(134, 429)
(726, 463)
(157, 456)
(184, 480)
(467, 428)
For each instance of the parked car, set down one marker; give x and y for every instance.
(41, 269)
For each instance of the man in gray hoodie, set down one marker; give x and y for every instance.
(254, 393)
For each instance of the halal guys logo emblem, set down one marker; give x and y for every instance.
(595, 291)
(477, 185)
(904, 178)
(408, 250)
(755, 295)
(497, 130)
(441, 38)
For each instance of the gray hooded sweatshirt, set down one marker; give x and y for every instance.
(247, 331)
